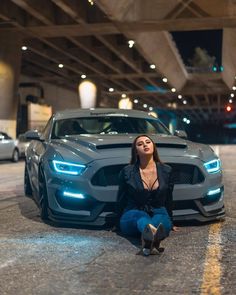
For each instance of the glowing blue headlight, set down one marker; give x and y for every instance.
(213, 166)
(68, 168)
(73, 195)
(214, 192)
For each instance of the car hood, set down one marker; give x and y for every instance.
(95, 147)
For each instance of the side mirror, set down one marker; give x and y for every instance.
(181, 133)
(33, 135)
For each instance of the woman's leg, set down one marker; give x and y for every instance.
(133, 222)
(161, 216)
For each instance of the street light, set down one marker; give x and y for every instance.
(125, 103)
(87, 94)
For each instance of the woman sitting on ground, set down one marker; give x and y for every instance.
(145, 196)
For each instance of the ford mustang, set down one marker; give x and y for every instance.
(72, 167)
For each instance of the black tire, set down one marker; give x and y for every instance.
(27, 185)
(15, 156)
(43, 196)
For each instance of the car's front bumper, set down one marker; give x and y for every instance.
(95, 220)
(99, 202)
(219, 214)
(198, 211)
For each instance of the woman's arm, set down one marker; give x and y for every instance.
(169, 201)
(169, 197)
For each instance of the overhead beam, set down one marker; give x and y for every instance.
(197, 91)
(35, 8)
(178, 9)
(27, 5)
(183, 24)
(191, 6)
(75, 13)
(131, 76)
(47, 20)
(152, 51)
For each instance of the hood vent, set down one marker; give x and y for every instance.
(114, 146)
(172, 145)
(129, 145)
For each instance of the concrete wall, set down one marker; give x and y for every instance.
(59, 98)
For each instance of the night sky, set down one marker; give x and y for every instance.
(210, 40)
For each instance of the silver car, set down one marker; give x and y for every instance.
(8, 148)
(72, 168)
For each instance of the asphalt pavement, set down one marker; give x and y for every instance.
(44, 259)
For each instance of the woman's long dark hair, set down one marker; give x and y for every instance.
(134, 155)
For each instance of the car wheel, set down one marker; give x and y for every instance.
(43, 196)
(27, 185)
(15, 156)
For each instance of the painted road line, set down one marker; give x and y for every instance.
(212, 267)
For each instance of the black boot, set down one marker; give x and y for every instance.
(158, 237)
(147, 240)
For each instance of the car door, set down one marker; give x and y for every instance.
(6, 146)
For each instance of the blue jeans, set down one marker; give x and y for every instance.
(133, 222)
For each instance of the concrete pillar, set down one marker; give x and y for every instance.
(10, 62)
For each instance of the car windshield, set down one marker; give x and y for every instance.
(107, 125)
(4, 135)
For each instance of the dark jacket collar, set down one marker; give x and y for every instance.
(138, 178)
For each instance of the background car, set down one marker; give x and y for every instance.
(8, 148)
(72, 168)
(22, 143)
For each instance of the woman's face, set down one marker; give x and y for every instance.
(144, 146)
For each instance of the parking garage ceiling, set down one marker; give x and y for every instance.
(91, 38)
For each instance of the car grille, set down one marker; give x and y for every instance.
(185, 205)
(186, 174)
(106, 176)
(182, 174)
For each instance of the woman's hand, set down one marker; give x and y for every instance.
(175, 228)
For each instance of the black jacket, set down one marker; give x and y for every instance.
(133, 195)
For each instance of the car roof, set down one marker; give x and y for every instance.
(93, 112)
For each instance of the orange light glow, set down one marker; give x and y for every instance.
(228, 108)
